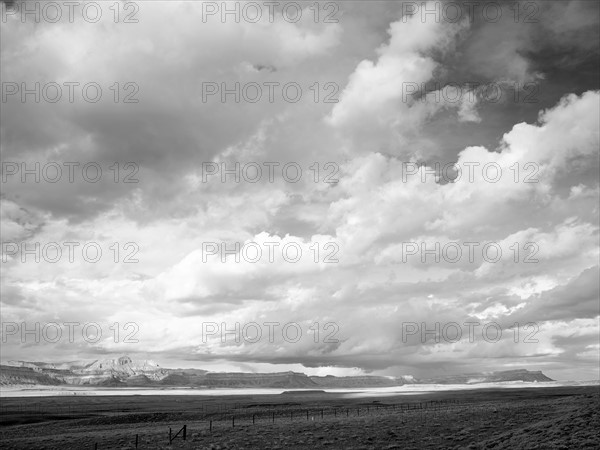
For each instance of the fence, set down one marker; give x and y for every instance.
(229, 416)
(417, 412)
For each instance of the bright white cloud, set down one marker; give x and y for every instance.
(388, 193)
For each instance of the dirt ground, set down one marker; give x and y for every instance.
(524, 418)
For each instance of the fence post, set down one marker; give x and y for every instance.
(170, 436)
(252, 419)
(210, 429)
(136, 441)
(321, 414)
(232, 421)
(273, 417)
(184, 432)
(307, 414)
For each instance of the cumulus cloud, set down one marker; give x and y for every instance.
(527, 183)
(376, 98)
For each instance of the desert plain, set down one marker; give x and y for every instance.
(524, 418)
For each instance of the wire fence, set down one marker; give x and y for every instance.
(207, 419)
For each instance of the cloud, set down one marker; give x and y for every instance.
(375, 98)
(534, 181)
(168, 130)
(577, 299)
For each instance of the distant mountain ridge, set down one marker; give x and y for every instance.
(359, 381)
(489, 377)
(125, 372)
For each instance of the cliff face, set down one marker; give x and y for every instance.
(271, 380)
(356, 382)
(99, 372)
(489, 377)
(10, 375)
(121, 366)
(124, 372)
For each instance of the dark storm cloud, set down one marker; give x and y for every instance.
(579, 299)
(549, 50)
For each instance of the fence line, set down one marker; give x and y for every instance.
(408, 411)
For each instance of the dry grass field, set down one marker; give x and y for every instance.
(536, 418)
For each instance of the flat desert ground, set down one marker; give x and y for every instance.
(524, 418)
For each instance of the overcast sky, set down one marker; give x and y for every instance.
(395, 92)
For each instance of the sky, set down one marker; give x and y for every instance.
(427, 201)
